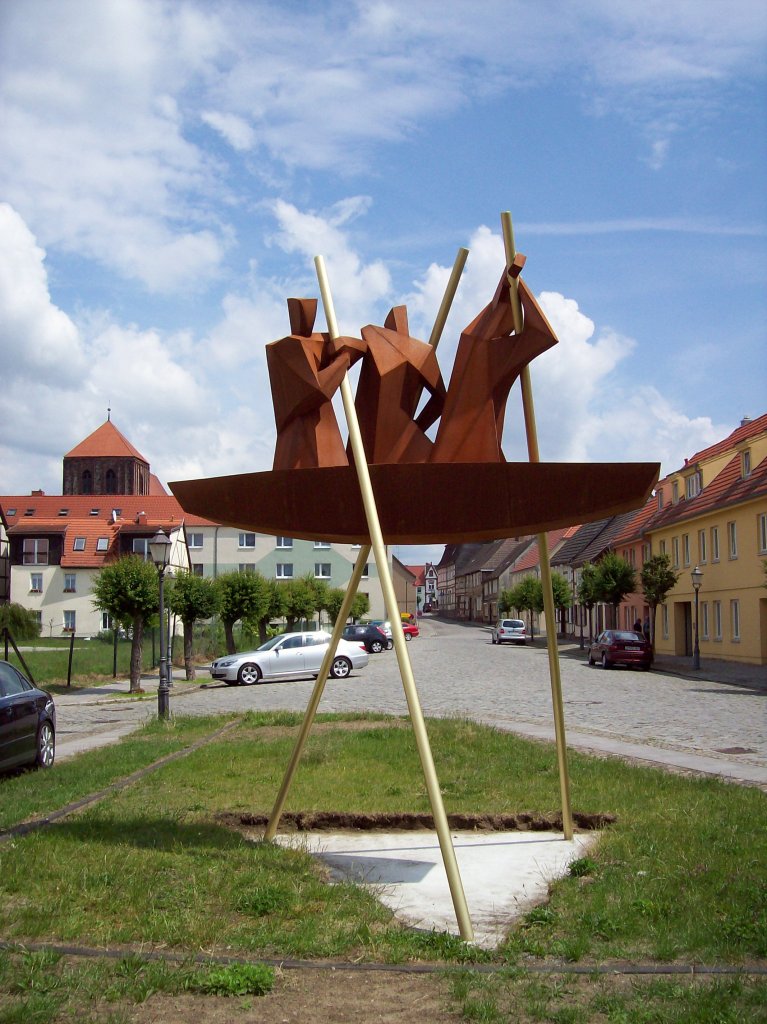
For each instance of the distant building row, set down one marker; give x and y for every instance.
(711, 513)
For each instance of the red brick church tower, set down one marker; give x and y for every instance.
(106, 463)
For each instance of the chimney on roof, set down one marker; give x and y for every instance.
(37, 494)
(745, 420)
(141, 518)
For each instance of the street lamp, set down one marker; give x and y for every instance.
(697, 579)
(159, 549)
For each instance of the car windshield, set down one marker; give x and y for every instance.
(272, 642)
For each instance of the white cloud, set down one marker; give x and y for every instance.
(236, 130)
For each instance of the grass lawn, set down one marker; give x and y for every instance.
(681, 876)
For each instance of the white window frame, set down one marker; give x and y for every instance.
(70, 582)
(745, 463)
(704, 627)
(34, 555)
(78, 544)
(762, 529)
(322, 570)
(716, 608)
(106, 621)
(714, 543)
(686, 548)
(248, 568)
(285, 542)
(140, 548)
(664, 621)
(732, 540)
(692, 485)
(366, 571)
(321, 545)
(35, 583)
(70, 621)
(702, 547)
(102, 544)
(284, 571)
(662, 547)
(735, 620)
(244, 541)
(195, 540)
(675, 552)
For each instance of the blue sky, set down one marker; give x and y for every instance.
(170, 169)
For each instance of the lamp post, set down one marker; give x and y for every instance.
(697, 579)
(159, 549)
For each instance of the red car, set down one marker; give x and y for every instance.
(621, 647)
(410, 630)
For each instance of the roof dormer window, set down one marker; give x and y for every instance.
(693, 485)
(745, 463)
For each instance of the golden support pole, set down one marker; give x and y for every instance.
(316, 697)
(447, 298)
(400, 646)
(543, 550)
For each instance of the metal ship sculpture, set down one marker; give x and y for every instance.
(434, 452)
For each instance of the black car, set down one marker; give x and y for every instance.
(374, 639)
(27, 721)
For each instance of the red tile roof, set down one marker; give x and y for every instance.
(727, 488)
(105, 440)
(752, 428)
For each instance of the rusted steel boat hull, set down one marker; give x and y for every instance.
(421, 503)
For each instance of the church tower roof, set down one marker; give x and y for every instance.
(106, 440)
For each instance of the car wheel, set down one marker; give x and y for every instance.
(494, 639)
(46, 746)
(376, 646)
(605, 662)
(248, 674)
(389, 644)
(591, 659)
(340, 668)
(408, 637)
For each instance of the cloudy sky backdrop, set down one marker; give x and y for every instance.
(170, 169)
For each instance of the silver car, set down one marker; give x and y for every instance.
(509, 631)
(289, 656)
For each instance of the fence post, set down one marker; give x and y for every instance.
(69, 666)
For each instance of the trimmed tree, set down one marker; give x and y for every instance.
(658, 578)
(243, 596)
(334, 601)
(192, 598)
(129, 591)
(300, 598)
(616, 579)
(563, 595)
(360, 606)
(587, 592)
(528, 597)
(20, 622)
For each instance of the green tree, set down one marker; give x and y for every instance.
(506, 602)
(658, 578)
(129, 591)
(334, 601)
(192, 598)
(300, 600)
(360, 606)
(274, 609)
(615, 580)
(243, 596)
(20, 622)
(527, 596)
(587, 591)
(563, 595)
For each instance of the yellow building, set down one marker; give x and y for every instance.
(712, 515)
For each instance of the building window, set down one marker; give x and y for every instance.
(284, 542)
(732, 540)
(321, 544)
(70, 583)
(763, 533)
(717, 611)
(714, 543)
(87, 482)
(198, 569)
(702, 551)
(194, 540)
(141, 548)
(111, 482)
(106, 620)
(664, 620)
(660, 500)
(365, 571)
(79, 544)
(735, 620)
(662, 547)
(686, 548)
(692, 485)
(645, 558)
(674, 492)
(102, 544)
(704, 620)
(745, 463)
(322, 570)
(70, 619)
(284, 571)
(35, 551)
(675, 550)
(247, 540)
(247, 567)
(38, 614)
(36, 583)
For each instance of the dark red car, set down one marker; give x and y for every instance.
(621, 647)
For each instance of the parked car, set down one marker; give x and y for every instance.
(511, 631)
(410, 630)
(385, 626)
(372, 637)
(288, 656)
(621, 647)
(27, 721)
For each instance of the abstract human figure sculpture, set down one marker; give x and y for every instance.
(396, 369)
(305, 370)
(488, 361)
